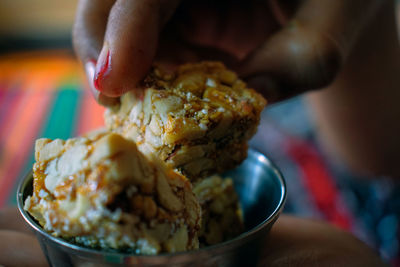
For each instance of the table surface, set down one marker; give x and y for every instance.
(43, 94)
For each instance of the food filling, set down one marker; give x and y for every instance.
(126, 189)
(101, 191)
(198, 119)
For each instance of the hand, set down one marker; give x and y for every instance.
(281, 48)
(303, 242)
(18, 246)
(292, 242)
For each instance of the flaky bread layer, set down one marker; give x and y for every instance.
(100, 191)
(190, 118)
(222, 217)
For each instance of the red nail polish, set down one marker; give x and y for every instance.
(103, 67)
(90, 69)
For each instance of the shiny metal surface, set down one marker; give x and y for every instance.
(262, 194)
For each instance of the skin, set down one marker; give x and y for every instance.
(357, 115)
(19, 246)
(282, 48)
(303, 242)
(292, 242)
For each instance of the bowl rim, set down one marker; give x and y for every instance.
(249, 234)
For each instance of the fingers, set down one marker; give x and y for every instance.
(19, 249)
(18, 246)
(174, 52)
(88, 34)
(102, 99)
(302, 242)
(309, 51)
(130, 43)
(89, 28)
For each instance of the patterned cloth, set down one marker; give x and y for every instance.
(318, 188)
(41, 95)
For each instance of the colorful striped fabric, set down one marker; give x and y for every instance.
(41, 95)
(319, 188)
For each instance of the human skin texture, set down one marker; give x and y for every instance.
(281, 48)
(357, 116)
(292, 242)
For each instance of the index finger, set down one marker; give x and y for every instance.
(89, 28)
(130, 43)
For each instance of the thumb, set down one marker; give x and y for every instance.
(130, 43)
(310, 50)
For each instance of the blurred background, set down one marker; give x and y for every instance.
(43, 94)
(35, 24)
(42, 86)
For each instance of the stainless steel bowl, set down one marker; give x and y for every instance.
(262, 194)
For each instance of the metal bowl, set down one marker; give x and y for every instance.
(262, 194)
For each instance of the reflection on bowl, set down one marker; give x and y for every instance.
(262, 194)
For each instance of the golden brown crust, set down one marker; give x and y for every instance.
(102, 192)
(222, 217)
(117, 189)
(193, 119)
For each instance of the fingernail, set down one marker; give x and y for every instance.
(90, 68)
(264, 85)
(103, 67)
